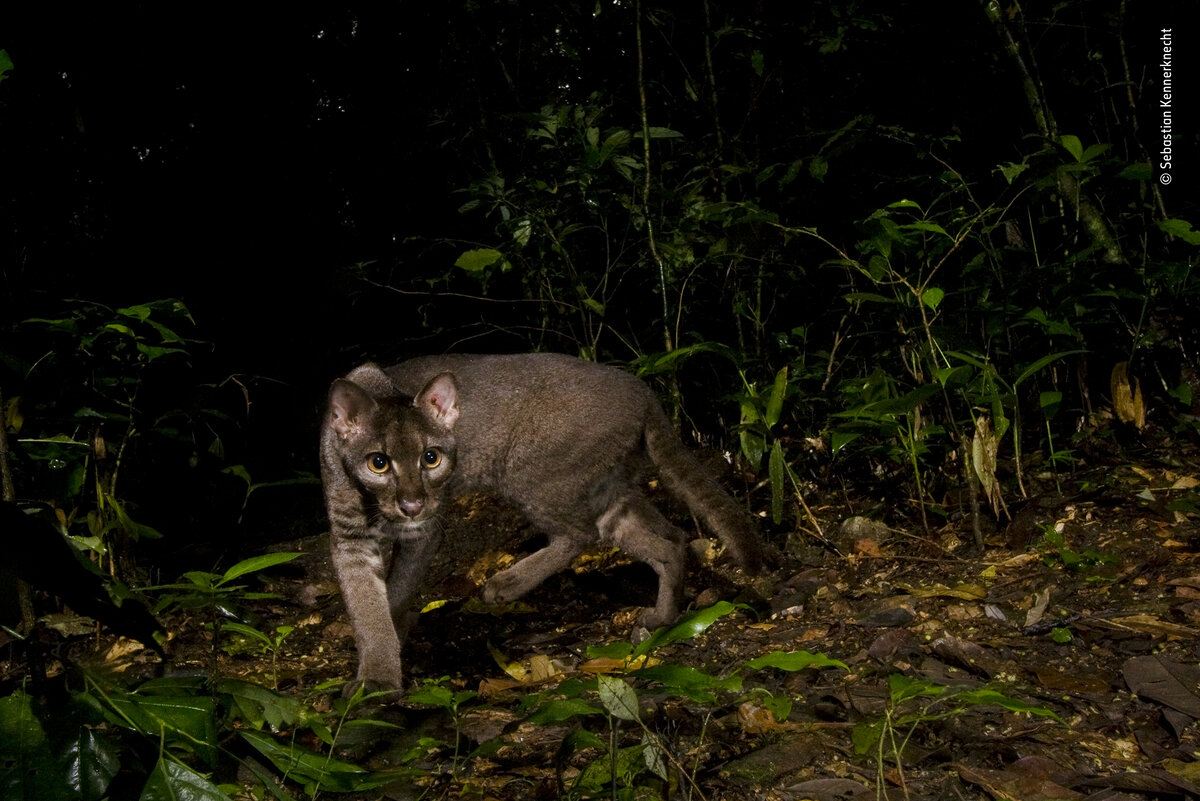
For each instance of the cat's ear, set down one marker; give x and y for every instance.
(372, 379)
(439, 400)
(349, 407)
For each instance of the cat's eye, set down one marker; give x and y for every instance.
(431, 458)
(378, 463)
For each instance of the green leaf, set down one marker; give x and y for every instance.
(689, 681)
(246, 631)
(1094, 150)
(652, 754)
(756, 62)
(1072, 145)
(989, 697)
(932, 296)
(865, 736)
(657, 132)
(257, 705)
(1041, 364)
(478, 260)
(26, 764)
(183, 720)
(775, 468)
(1181, 229)
(775, 402)
(614, 650)
(618, 697)
(256, 563)
(322, 771)
(173, 781)
(928, 227)
(794, 660)
(840, 438)
(87, 765)
(560, 709)
(901, 688)
(856, 297)
(1011, 170)
(688, 626)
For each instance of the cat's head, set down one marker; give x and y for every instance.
(398, 451)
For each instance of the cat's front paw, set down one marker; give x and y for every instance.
(503, 587)
(377, 689)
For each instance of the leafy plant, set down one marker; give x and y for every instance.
(913, 703)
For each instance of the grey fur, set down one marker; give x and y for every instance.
(564, 439)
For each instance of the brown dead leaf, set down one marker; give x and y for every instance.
(1148, 624)
(1127, 396)
(1028, 779)
(969, 592)
(122, 648)
(1185, 482)
(1073, 682)
(605, 664)
(756, 719)
(868, 547)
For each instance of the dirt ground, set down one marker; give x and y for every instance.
(1060, 662)
(1085, 606)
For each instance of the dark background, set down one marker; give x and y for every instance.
(245, 159)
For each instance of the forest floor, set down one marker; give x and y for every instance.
(1059, 662)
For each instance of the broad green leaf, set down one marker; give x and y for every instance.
(256, 563)
(901, 688)
(689, 681)
(321, 771)
(174, 781)
(87, 765)
(1073, 146)
(188, 721)
(929, 227)
(1180, 228)
(794, 660)
(26, 764)
(614, 650)
(478, 260)
(989, 697)
(1094, 150)
(688, 626)
(560, 709)
(839, 439)
(257, 705)
(618, 697)
(652, 754)
(246, 631)
(865, 736)
(932, 297)
(658, 132)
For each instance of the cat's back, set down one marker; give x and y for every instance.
(522, 377)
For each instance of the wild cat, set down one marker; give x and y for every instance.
(564, 439)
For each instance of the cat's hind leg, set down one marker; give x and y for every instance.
(634, 524)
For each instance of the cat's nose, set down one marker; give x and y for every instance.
(410, 508)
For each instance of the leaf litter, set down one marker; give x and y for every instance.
(900, 668)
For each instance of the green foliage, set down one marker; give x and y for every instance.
(82, 411)
(1054, 550)
(914, 703)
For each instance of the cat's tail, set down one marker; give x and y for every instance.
(690, 482)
